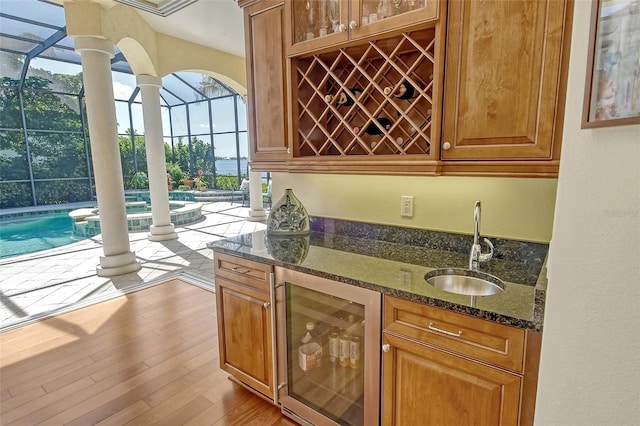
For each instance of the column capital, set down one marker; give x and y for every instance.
(96, 44)
(148, 80)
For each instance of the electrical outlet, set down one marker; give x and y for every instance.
(406, 206)
(404, 280)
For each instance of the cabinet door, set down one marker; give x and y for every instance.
(315, 24)
(267, 112)
(425, 386)
(373, 17)
(502, 79)
(244, 335)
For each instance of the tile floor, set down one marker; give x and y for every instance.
(36, 285)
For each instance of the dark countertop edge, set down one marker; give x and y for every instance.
(540, 296)
(535, 325)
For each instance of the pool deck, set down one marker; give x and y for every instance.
(37, 285)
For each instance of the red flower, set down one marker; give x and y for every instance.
(200, 172)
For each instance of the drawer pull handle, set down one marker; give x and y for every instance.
(266, 305)
(239, 271)
(448, 333)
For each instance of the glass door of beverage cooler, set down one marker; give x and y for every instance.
(328, 350)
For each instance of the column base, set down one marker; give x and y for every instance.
(118, 264)
(257, 216)
(162, 233)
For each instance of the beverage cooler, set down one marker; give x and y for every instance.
(328, 348)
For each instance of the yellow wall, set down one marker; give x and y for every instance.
(511, 207)
(147, 51)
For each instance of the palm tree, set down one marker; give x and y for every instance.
(212, 88)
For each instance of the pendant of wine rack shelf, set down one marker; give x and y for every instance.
(371, 99)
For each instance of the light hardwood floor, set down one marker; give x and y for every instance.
(150, 357)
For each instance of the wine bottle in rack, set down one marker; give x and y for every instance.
(344, 98)
(372, 128)
(404, 91)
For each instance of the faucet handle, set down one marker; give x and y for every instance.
(485, 257)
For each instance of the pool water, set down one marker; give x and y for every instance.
(32, 234)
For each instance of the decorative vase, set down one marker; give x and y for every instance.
(288, 216)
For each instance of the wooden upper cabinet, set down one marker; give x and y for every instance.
(313, 25)
(502, 92)
(267, 88)
(491, 78)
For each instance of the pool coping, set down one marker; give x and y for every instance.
(86, 223)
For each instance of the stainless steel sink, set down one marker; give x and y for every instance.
(465, 281)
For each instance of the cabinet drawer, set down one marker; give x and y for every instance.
(244, 271)
(482, 340)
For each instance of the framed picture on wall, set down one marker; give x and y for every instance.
(612, 92)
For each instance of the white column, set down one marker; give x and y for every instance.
(256, 207)
(162, 228)
(103, 132)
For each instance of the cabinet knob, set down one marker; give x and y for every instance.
(446, 146)
(266, 305)
(386, 347)
(353, 25)
(342, 28)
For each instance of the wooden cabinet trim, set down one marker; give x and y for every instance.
(533, 347)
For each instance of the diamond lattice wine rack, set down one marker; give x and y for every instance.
(373, 99)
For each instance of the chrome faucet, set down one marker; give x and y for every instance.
(476, 256)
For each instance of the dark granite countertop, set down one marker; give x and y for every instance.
(393, 260)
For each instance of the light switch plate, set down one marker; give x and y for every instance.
(406, 206)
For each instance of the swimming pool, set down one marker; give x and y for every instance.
(31, 231)
(29, 234)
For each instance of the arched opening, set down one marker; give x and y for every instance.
(44, 143)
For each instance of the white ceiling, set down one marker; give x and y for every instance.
(214, 23)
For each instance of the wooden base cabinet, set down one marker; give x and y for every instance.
(245, 322)
(443, 368)
(423, 385)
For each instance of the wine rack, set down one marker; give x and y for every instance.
(324, 128)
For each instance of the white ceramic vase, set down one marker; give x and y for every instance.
(288, 216)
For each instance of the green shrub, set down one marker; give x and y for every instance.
(184, 188)
(227, 182)
(139, 180)
(175, 173)
(15, 194)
